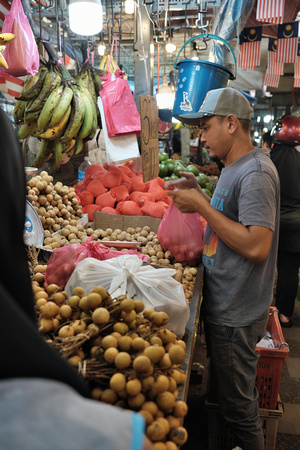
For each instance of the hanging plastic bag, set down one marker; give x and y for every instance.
(126, 275)
(22, 54)
(108, 64)
(181, 234)
(119, 148)
(64, 259)
(120, 111)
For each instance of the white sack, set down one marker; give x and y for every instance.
(126, 275)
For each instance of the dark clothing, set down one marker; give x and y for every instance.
(287, 281)
(232, 354)
(287, 161)
(24, 352)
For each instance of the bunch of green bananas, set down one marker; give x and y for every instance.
(61, 112)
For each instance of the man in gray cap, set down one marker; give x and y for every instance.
(239, 254)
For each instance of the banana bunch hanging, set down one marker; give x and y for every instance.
(58, 110)
(5, 38)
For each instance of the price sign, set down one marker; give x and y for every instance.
(149, 137)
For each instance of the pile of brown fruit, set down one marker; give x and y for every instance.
(123, 350)
(56, 205)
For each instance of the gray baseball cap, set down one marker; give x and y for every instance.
(220, 102)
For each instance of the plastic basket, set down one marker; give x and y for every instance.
(270, 363)
(220, 437)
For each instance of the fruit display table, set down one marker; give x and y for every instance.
(191, 333)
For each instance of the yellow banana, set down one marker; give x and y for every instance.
(52, 133)
(78, 146)
(95, 116)
(69, 145)
(62, 106)
(82, 78)
(88, 120)
(19, 110)
(27, 129)
(3, 62)
(76, 119)
(49, 106)
(51, 82)
(29, 117)
(35, 85)
(59, 154)
(6, 38)
(45, 151)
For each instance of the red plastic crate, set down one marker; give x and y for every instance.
(270, 363)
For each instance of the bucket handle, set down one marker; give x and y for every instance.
(211, 36)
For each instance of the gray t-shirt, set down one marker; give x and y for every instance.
(236, 291)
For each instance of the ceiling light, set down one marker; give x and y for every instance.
(101, 49)
(86, 17)
(170, 47)
(129, 7)
(165, 95)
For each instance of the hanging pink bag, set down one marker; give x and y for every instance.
(181, 234)
(21, 54)
(120, 111)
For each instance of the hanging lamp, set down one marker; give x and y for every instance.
(86, 17)
(165, 95)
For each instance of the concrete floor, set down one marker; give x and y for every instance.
(198, 421)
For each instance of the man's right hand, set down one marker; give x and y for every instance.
(187, 181)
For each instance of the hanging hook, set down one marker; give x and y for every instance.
(199, 22)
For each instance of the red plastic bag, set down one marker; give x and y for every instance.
(120, 111)
(21, 54)
(64, 259)
(181, 234)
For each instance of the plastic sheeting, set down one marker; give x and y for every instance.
(228, 24)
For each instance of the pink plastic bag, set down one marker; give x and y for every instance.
(64, 259)
(120, 111)
(21, 54)
(181, 234)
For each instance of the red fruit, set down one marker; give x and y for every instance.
(85, 198)
(130, 208)
(121, 193)
(111, 179)
(108, 209)
(90, 209)
(153, 209)
(106, 199)
(96, 188)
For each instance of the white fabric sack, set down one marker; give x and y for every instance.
(119, 148)
(126, 275)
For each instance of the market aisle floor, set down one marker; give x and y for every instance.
(288, 433)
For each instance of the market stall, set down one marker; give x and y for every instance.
(117, 291)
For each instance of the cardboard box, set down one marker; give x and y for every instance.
(106, 220)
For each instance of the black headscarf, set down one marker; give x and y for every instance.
(23, 350)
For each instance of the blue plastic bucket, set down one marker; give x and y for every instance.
(195, 78)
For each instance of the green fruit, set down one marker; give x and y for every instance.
(170, 167)
(170, 160)
(193, 169)
(210, 187)
(179, 161)
(166, 178)
(202, 179)
(163, 157)
(174, 177)
(207, 191)
(163, 170)
(179, 168)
